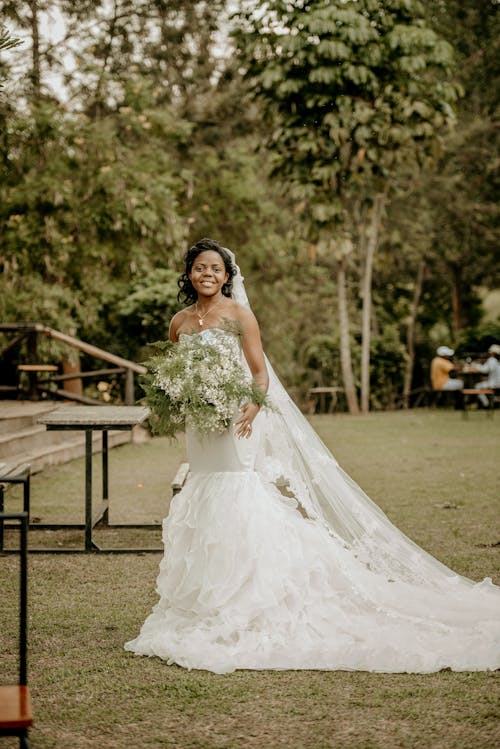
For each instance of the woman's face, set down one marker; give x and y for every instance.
(208, 274)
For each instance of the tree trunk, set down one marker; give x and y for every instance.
(72, 366)
(345, 343)
(410, 334)
(367, 301)
(35, 52)
(456, 302)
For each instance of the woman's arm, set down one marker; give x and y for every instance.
(252, 349)
(254, 354)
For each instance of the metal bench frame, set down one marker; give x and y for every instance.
(14, 474)
(20, 474)
(19, 724)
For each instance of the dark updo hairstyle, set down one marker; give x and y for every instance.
(187, 293)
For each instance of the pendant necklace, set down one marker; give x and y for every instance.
(201, 317)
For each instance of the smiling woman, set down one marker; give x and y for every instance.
(207, 282)
(316, 577)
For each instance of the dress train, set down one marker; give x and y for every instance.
(248, 582)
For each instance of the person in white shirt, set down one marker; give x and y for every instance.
(491, 368)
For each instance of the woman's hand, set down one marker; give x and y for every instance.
(243, 425)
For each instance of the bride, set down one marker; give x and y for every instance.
(274, 557)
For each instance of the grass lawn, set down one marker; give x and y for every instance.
(434, 473)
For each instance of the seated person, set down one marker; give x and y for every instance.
(491, 368)
(441, 368)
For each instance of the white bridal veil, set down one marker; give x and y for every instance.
(290, 453)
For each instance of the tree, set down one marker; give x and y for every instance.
(92, 207)
(7, 41)
(462, 199)
(25, 16)
(463, 193)
(171, 45)
(473, 28)
(353, 90)
(91, 188)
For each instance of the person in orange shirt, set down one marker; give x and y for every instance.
(441, 367)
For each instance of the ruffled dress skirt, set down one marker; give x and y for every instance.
(247, 582)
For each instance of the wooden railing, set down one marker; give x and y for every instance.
(32, 331)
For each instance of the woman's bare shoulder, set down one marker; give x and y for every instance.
(245, 317)
(177, 321)
(235, 308)
(243, 313)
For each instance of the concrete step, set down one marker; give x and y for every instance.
(18, 415)
(72, 447)
(30, 439)
(23, 440)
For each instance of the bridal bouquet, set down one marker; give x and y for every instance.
(198, 383)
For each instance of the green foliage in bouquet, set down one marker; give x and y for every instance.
(198, 383)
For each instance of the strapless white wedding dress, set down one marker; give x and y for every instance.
(248, 582)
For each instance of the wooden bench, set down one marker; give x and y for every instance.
(16, 715)
(419, 396)
(446, 398)
(32, 371)
(317, 397)
(180, 478)
(14, 473)
(470, 394)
